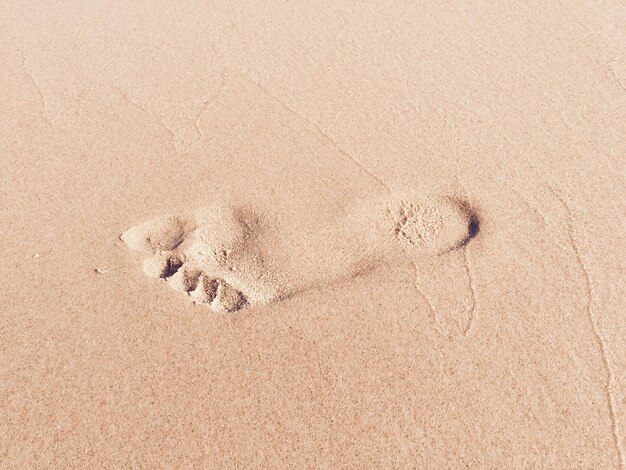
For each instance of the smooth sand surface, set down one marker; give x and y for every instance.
(398, 229)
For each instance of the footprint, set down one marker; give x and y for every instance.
(209, 256)
(217, 255)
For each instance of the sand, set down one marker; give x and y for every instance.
(312, 235)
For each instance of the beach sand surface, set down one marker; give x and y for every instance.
(407, 222)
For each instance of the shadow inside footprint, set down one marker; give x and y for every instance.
(473, 220)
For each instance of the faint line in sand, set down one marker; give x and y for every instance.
(324, 135)
(472, 287)
(205, 105)
(594, 326)
(596, 333)
(155, 116)
(38, 88)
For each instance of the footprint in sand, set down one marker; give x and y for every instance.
(217, 255)
(210, 255)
